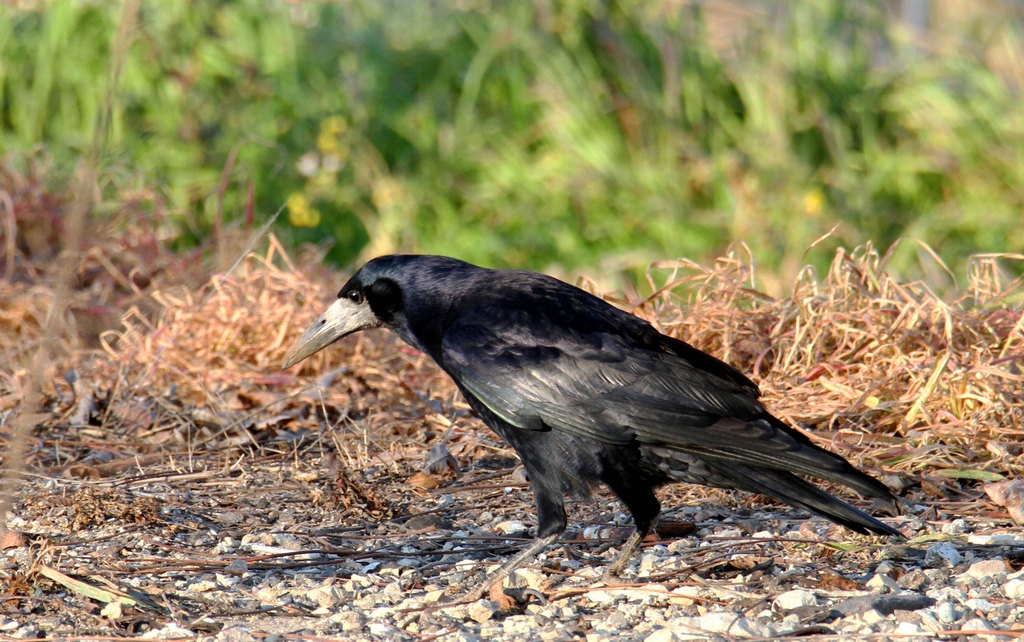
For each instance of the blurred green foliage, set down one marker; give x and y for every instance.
(534, 134)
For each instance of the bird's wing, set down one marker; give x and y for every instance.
(536, 373)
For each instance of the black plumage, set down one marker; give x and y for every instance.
(587, 393)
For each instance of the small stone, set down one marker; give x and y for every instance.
(1000, 539)
(614, 623)
(457, 612)
(600, 597)
(977, 624)
(915, 580)
(202, 586)
(686, 628)
(885, 568)
(170, 631)
(649, 563)
(662, 635)
(942, 554)
(237, 566)
(357, 582)
(349, 620)
(929, 621)
(885, 604)
(987, 568)
(946, 613)
(112, 610)
(432, 596)
(979, 604)
(326, 596)
(511, 528)
(527, 578)
(379, 628)
(955, 527)
(482, 610)
(226, 546)
(882, 583)
(235, 634)
(872, 616)
(794, 599)
(909, 628)
(1014, 589)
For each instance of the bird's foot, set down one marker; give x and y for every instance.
(454, 595)
(611, 574)
(614, 570)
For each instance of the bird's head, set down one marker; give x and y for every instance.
(377, 295)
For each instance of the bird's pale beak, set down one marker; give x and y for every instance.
(341, 319)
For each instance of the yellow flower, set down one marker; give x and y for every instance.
(329, 139)
(386, 193)
(814, 201)
(300, 214)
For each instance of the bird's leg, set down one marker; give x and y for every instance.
(643, 505)
(551, 521)
(506, 569)
(633, 543)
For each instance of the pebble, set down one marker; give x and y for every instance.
(882, 583)
(909, 628)
(872, 616)
(914, 580)
(237, 566)
(986, 568)
(946, 613)
(399, 594)
(482, 610)
(978, 604)
(697, 628)
(527, 578)
(942, 554)
(794, 599)
(349, 620)
(977, 624)
(955, 527)
(234, 634)
(885, 604)
(1014, 589)
(662, 635)
(999, 539)
(511, 528)
(170, 631)
(379, 628)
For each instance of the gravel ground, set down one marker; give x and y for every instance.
(293, 547)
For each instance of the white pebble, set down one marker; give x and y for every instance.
(1014, 589)
(794, 599)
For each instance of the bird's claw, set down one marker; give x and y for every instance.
(610, 576)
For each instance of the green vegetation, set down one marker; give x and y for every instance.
(573, 132)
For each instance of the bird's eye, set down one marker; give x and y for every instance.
(356, 296)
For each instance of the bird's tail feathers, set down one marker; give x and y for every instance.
(837, 469)
(793, 490)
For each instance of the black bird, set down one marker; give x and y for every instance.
(586, 393)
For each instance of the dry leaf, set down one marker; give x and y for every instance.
(1009, 494)
(497, 594)
(830, 581)
(11, 539)
(425, 480)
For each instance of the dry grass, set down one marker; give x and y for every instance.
(887, 373)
